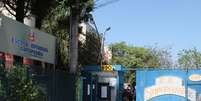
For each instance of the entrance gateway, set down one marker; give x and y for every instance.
(102, 83)
(168, 85)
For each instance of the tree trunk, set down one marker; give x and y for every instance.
(20, 10)
(20, 6)
(74, 20)
(38, 22)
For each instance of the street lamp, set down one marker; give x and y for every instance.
(102, 44)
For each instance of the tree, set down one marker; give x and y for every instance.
(89, 52)
(53, 16)
(163, 55)
(23, 8)
(17, 8)
(139, 57)
(58, 23)
(78, 9)
(73, 47)
(189, 59)
(40, 9)
(133, 57)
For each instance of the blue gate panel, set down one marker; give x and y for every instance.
(168, 85)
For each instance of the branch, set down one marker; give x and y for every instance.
(10, 6)
(13, 3)
(14, 0)
(27, 7)
(9, 10)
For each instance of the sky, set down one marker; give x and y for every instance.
(174, 24)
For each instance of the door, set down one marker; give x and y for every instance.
(104, 92)
(86, 89)
(94, 88)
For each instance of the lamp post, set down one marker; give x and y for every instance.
(102, 44)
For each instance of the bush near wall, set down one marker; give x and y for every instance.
(16, 86)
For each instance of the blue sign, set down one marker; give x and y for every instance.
(168, 85)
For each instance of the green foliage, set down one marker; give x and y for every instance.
(41, 8)
(139, 57)
(189, 59)
(89, 52)
(2, 83)
(22, 8)
(83, 3)
(130, 56)
(15, 86)
(57, 23)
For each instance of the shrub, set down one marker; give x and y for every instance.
(16, 86)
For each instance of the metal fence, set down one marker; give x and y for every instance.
(57, 85)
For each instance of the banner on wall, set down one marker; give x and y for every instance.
(21, 40)
(168, 85)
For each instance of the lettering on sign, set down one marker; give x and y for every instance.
(165, 80)
(28, 47)
(21, 40)
(168, 85)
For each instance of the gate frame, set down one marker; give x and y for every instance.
(119, 69)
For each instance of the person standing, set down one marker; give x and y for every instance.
(128, 93)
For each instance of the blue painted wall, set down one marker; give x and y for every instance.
(147, 79)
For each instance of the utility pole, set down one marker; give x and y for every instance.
(74, 22)
(103, 45)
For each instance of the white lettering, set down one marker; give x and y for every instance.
(169, 81)
(155, 91)
(166, 85)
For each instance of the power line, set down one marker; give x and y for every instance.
(103, 4)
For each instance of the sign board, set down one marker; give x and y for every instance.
(168, 85)
(19, 39)
(103, 91)
(107, 68)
